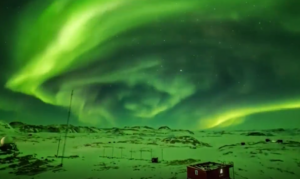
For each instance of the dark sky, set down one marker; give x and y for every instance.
(186, 64)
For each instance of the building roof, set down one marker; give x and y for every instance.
(207, 166)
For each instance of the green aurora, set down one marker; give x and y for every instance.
(182, 63)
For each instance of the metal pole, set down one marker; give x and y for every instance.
(67, 129)
(233, 170)
(59, 139)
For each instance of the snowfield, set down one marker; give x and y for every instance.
(92, 153)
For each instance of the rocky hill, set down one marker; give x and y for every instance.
(22, 127)
(185, 140)
(5, 128)
(164, 128)
(57, 128)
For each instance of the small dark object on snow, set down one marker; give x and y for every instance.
(154, 160)
(279, 141)
(243, 143)
(268, 140)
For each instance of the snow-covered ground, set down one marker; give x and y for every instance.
(127, 152)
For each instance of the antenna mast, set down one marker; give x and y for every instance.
(66, 133)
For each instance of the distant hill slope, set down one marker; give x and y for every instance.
(5, 128)
(22, 127)
(57, 128)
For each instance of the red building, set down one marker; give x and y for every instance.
(210, 170)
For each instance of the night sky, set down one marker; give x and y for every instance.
(193, 64)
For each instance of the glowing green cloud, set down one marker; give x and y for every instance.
(56, 39)
(75, 37)
(236, 115)
(87, 24)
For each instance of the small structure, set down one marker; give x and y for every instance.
(210, 170)
(154, 160)
(280, 141)
(268, 140)
(7, 145)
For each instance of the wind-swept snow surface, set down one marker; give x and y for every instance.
(126, 153)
